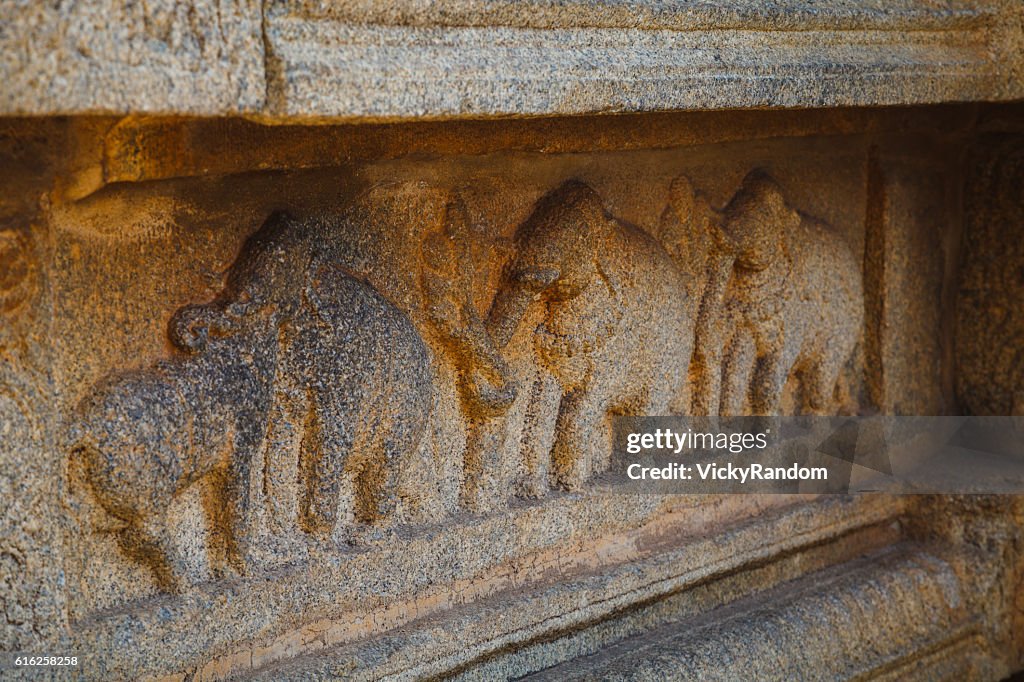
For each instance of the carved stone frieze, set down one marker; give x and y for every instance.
(352, 389)
(297, 348)
(327, 330)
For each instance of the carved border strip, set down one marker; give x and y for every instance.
(290, 59)
(322, 68)
(807, 525)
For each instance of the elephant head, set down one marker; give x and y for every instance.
(263, 286)
(558, 254)
(756, 221)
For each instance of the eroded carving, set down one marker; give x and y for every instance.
(713, 315)
(146, 436)
(990, 322)
(288, 313)
(616, 333)
(358, 366)
(485, 384)
(17, 267)
(783, 296)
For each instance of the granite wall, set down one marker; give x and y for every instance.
(307, 371)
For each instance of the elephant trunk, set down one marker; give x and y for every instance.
(192, 326)
(514, 299)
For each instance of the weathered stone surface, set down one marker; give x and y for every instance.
(990, 324)
(305, 394)
(477, 59)
(485, 311)
(291, 58)
(32, 580)
(905, 601)
(193, 57)
(911, 248)
(591, 606)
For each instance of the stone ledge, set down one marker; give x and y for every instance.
(913, 603)
(360, 60)
(646, 14)
(347, 596)
(784, 614)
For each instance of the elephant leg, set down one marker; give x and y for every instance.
(325, 449)
(481, 463)
(235, 495)
(579, 430)
(538, 427)
(768, 381)
(149, 542)
(393, 434)
(705, 379)
(819, 383)
(737, 370)
(770, 371)
(376, 484)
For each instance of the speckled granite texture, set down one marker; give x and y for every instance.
(314, 318)
(409, 59)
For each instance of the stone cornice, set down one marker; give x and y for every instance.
(359, 60)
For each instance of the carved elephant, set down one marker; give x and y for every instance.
(616, 333)
(143, 437)
(789, 301)
(362, 368)
(287, 314)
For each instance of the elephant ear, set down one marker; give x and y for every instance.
(316, 299)
(610, 268)
(328, 293)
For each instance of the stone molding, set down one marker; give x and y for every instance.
(543, 590)
(403, 60)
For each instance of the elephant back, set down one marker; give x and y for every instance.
(368, 336)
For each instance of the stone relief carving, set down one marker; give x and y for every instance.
(357, 366)
(486, 386)
(713, 314)
(783, 296)
(616, 332)
(147, 435)
(356, 363)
